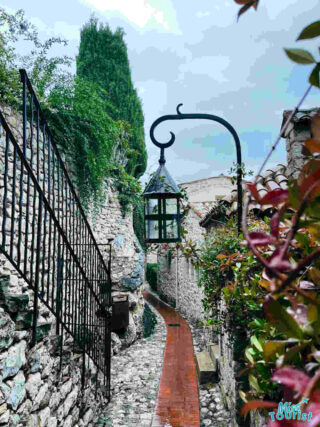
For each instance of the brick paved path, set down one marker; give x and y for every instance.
(178, 399)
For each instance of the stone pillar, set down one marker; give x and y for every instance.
(297, 132)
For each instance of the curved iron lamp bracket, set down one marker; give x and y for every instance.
(182, 116)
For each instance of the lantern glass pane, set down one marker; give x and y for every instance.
(152, 207)
(171, 206)
(152, 229)
(172, 229)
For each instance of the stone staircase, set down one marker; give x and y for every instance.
(207, 364)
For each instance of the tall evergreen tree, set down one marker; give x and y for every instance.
(103, 59)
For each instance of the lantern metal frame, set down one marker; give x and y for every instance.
(223, 122)
(162, 188)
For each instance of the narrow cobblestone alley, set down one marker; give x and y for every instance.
(135, 377)
(154, 381)
(178, 402)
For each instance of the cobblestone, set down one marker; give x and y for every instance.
(212, 410)
(135, 374)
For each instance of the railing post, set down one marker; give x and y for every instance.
(24, 110)
(37, 274)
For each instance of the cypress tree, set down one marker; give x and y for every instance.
(103, 59)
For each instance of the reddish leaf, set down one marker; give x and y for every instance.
(279, 261)
(300, 314)
(275, 197)
(315, 396)
(257, 404)
(315, 127)
(314, 408)
(254, 192)
(312, 180)
(274, 225)
(293, 378)
(312, 145)
(259, 238)
(304, 284)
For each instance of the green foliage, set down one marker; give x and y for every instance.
(149, 320)
(138, 221)
(228, 269)
(151, 275)
(85, 133)
(9, 77)
(86, 124)
(103, 59)
(43, 70)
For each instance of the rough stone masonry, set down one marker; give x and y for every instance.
(42, 386)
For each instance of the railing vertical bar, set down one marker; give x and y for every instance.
(36, 284)
(44, 135)
(24, 113)
(5, 194)
(38, 142)
(44, 252)
(49, 261)
(20, 214)
(13, 207)
(28, 191)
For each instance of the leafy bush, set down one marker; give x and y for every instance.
(88, 125)
(151, 275)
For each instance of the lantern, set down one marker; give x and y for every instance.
(162, 208)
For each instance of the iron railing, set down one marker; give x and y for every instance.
(46, 236)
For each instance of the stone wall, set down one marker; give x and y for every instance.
(40, 386)
(127, 262)
(208, 189)
(177, 277)
(296, 134)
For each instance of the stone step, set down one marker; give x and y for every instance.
(206, 367)
(214, 351)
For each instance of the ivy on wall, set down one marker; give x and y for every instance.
(96, 117)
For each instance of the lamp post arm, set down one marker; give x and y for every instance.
(182, 116)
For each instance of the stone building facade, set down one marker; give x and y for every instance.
(43, 385)
(177, 277)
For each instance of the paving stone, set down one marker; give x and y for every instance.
(135, 379)
(212, 411)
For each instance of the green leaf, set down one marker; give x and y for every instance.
(282, 320)
(273, 347)
(311, 31)
(314, 78)
(255, 342)
(300, 56)
(254, 383)
(290, 354)
(249, 357)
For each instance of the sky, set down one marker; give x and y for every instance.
(195, 53)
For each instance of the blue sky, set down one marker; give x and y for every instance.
(195, 53)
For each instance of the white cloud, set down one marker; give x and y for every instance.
(139, 12)
(201, 14)
(213, 66)
(60, 28)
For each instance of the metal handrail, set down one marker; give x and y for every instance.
(47, 238)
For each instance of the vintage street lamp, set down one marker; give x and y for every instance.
(162, 207)
(162, 214)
